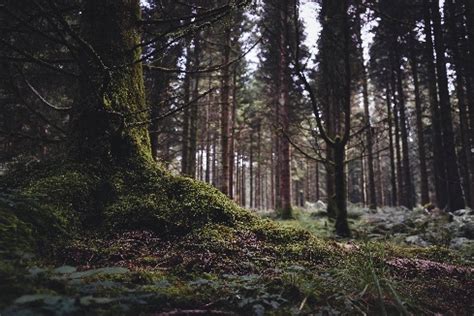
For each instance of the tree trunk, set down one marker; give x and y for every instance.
(407, 182)
(457, 36)
(372, 198)
(186, 118)
(232, 135)
(110, 120)
(193, 120)
(455, 196)
(342, 226)
(425, 198)
(398, 154)
(251, 176)
(393, 176)
(469, 49)
(284, 82)
(225, 113)
(439, 161)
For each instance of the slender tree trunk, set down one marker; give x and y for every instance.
(251, 176)
(396, 122)
(342, 226)
(439, 161)
(318, 196)
(425, 198)
(225, 113)
(455, 196)
(372, 198)
(258, 180)
(193, 120)
(232, 137)
(393, 177)
(186, 119)
(208, 134)
(407, 181)
(284, 164)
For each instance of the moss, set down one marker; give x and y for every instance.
(152, 199)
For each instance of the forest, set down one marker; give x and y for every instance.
(236, 157)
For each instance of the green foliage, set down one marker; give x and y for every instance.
(152, 199)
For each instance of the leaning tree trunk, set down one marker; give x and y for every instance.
(110, 118)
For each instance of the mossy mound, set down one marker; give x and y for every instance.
(169, 205)
(49, 204)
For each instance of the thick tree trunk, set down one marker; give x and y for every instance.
(457, 36)
(455, 195)
(110, 120)
(393, 177)
(469, 49)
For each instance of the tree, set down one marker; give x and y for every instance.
(335, 44)
(455, 195)
(110, 118)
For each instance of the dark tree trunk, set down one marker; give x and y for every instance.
(186, 119)
(469, 49)
(225, 113)
(457, 36)
(455, 196)
(439, 168)
(342, 226)
(110, 120)
(398, 154)
(407, 188)
(283, 120)
(425, 198)
(251, 176)
(372, 198)
(193, 119)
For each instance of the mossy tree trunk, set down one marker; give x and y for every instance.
(110, 118)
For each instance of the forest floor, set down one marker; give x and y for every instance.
(139, 272)
(78, 239)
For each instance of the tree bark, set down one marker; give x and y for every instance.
(225, 113)
(283, 121)
(407, 181)
(425, 198)
(439, 161)
(110, 120)
(455, 195)
(393, 176)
